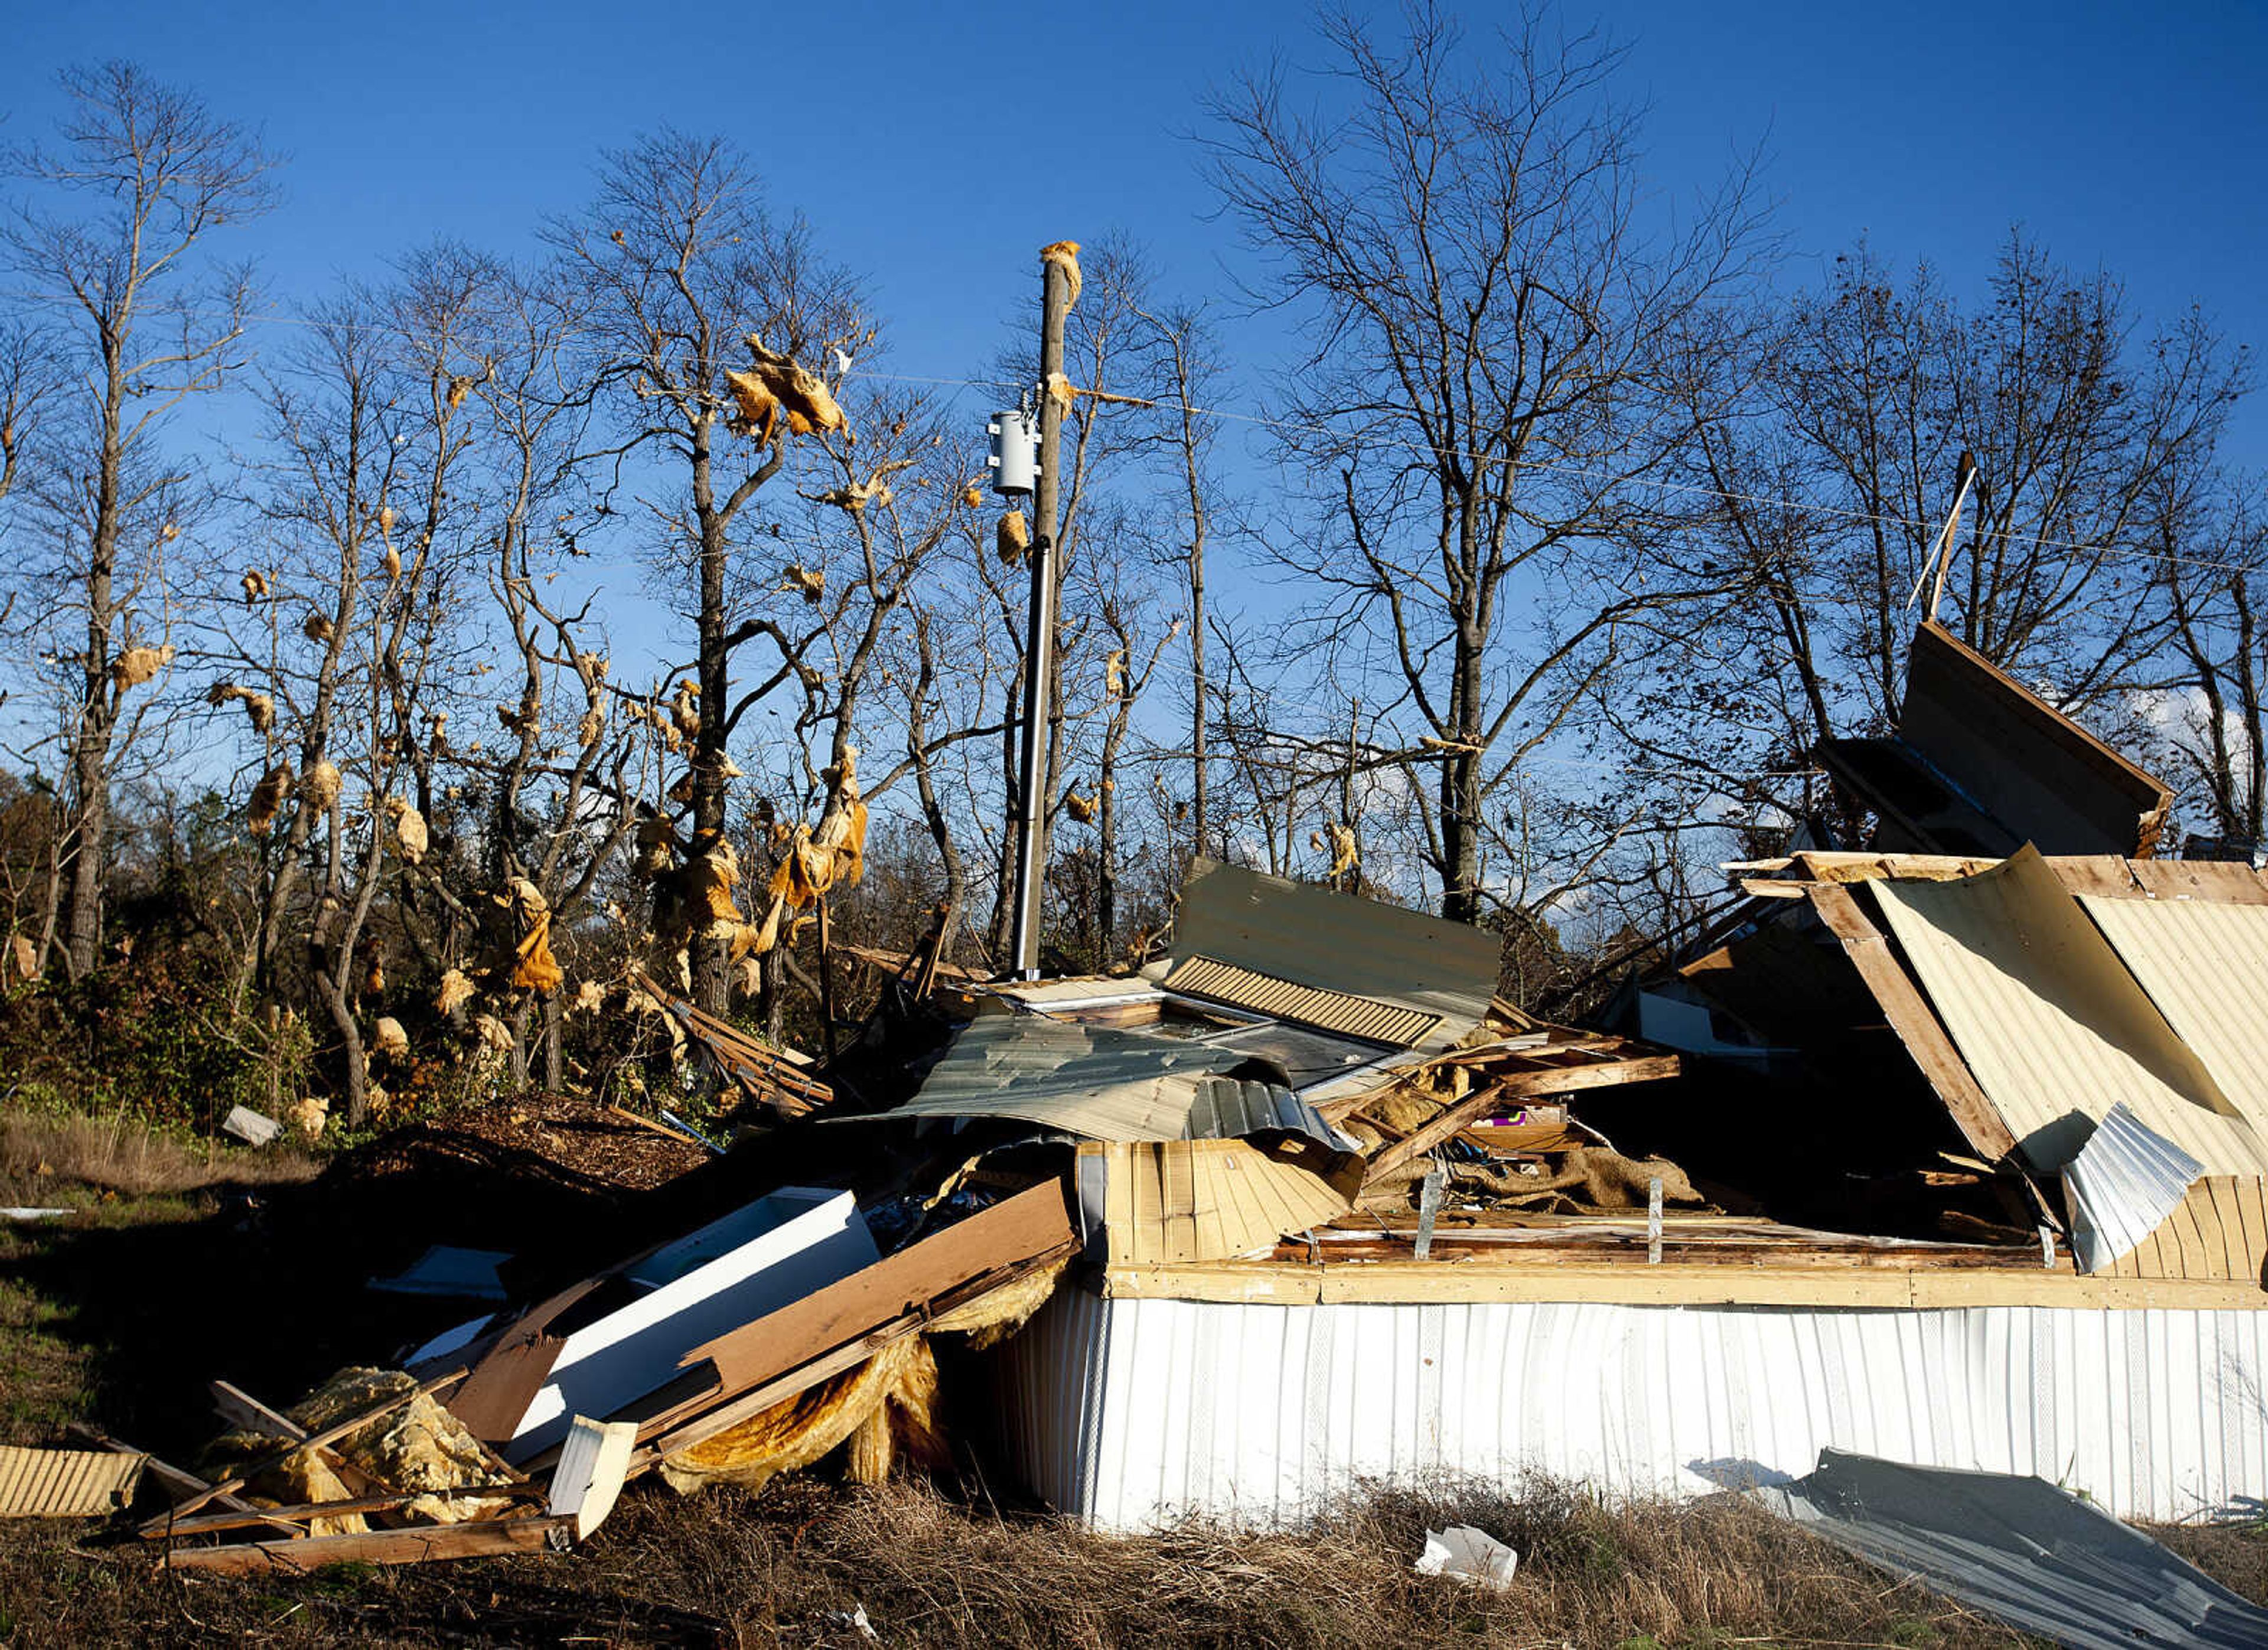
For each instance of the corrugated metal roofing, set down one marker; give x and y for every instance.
(2022, 1550)
(65, 1483)
(2123, 1184)
(1089, 1080)
(1341, 1011)
(1135, 1412)
(1166, 1201)
(2206, 967)
(1229, 1108)
(1337, 942)
(2050, 1022)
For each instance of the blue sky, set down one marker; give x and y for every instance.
(936, 150)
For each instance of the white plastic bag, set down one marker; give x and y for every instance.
(1469, 1555)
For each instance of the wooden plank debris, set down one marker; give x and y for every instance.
(772, 1077)
(330, 1434)
(416, 1543)
(300, 1512)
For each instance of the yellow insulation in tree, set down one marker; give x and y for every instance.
(817, 860)
(533, 966)
(773, 389)
(456, 990)
(1013, 537)
(320, 785)
(258, 705)
(137, 665)
(1065, 255)
(709, 879)
(268, 798)
(409, 830)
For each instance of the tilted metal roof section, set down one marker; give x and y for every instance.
(2204, 964)
(1309, 1006)
(1337, 943)
(2054, 1027)
(1231, 1107)
(1089, 1080)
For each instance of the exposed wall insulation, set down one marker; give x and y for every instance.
(1134, 1413)
(2055, 1029)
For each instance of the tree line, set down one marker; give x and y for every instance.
(1566, 530)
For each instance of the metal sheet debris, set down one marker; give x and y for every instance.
(2123, 1184)
(66, 1482)
(2021, 1548)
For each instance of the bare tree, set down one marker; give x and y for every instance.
(681, 263)
(1486, 383)
(2073, 427)
(2213, 573)
(1186, 376)
(143, 173)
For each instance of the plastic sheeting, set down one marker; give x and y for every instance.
(1134, 1413)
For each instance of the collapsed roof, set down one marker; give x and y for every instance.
(1980, 764)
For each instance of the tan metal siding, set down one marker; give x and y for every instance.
(65, 1483)
(2206, 967)
(2055, 1029)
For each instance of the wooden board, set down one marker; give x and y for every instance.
(512, 1369)
(1277, 1283)
(330, 1434)
(301, 1512)
(1031, 1223)
(2224, 882)
(420, 1543)
(1913, 1019)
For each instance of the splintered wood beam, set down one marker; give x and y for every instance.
(419, 1544)
(1914, 1021)
(1520, 1086)
(239, 1407)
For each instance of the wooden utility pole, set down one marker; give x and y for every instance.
(1057, 274)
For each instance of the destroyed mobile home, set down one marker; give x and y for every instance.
(1958, 1159)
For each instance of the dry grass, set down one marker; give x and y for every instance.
(120, 1318)
(41, 1154)
(790, 1566)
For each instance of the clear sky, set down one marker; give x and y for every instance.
(936, 149)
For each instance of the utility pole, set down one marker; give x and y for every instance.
(1058, 273)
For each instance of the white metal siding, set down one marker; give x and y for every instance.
(1134, 1413)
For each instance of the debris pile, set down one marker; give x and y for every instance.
(2011, 1092)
